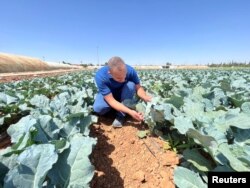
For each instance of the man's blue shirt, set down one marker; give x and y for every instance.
(106, 84)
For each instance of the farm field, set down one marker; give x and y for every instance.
(200, 115)
(113, 166)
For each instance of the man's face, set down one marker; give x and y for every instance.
(119, 75)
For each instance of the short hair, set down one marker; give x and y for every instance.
(116, 63)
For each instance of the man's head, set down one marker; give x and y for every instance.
(117, 69)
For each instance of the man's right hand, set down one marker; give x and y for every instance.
(137, 115)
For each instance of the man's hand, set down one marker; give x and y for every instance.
(147, 98)
(137, 115)
(142, 94)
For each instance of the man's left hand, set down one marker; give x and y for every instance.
(147, 98)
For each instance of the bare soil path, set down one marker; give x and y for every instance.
(121, 159)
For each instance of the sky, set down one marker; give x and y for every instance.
(141, 32)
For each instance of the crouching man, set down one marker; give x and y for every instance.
(117, 82)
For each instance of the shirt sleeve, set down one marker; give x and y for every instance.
(134, 76)
(101, 84)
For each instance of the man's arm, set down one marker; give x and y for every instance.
(142, 94)
(122, 108)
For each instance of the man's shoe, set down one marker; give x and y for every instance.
(118, 122)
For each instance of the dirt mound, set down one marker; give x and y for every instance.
(17, 63)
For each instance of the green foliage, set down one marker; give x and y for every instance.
(203, 115)
(48, 121)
